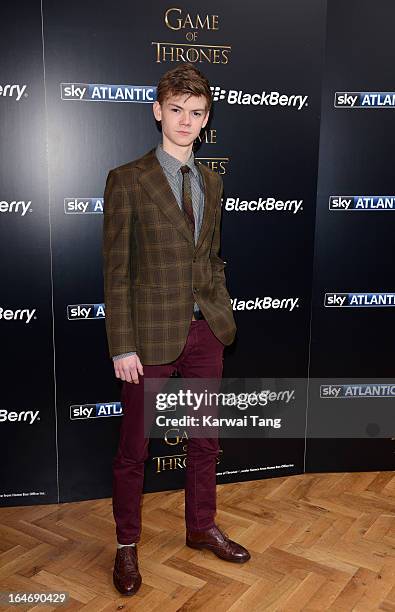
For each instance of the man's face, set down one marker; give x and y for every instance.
(182, 118)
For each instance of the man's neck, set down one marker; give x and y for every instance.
(180, 153)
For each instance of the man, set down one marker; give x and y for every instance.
(167, 306)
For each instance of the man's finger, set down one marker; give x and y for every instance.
(122, 374)
(133, 374)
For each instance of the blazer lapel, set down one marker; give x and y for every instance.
(155, 183)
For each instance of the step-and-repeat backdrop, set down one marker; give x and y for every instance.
(301, 132)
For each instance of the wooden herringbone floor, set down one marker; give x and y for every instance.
(317, 542)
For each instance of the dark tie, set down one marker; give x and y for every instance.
(187, 198)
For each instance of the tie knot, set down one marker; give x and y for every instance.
(184, 169)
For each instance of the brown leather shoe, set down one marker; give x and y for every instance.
(126, 575)
(219, 543)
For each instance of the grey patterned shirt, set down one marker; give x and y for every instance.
(171, 167)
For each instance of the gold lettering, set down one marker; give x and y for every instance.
(209, 22)
(188, 22)
(217, 57)
(222, 167)
(167, 461)
(157, 464)
(180, 462)
(178, 21)
(172, 436)
(175, 462)
(157, 52)
(218, 166)
(170, 52)
(209, 137)
(191, 53)
(206, 54)
(170, 462)
(168, 440)
(203, 24)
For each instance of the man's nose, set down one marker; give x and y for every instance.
(185, 120)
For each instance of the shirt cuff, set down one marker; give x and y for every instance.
(123, 355)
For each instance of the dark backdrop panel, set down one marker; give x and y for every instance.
(56, 150)
(268, 253)
(354, 249)
(86, 139)
(273, 154)
(27, 412)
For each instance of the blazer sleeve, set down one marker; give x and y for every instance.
(116, 249)
(217, 264)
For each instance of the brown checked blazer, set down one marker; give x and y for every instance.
(153, 272)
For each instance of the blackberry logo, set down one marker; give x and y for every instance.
(262, 98)
(13, 91)
(19, 314)
(25, 416)
(20, 207)
(218, 93)
(265, 303)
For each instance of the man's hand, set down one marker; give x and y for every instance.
(128, 368)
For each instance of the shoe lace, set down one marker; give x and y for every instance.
(226, 536)
(129, 558)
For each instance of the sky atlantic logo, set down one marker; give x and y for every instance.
(359, 300)
(94, 92)
(78, 312)
(83, 206)
(263, 98)
(362, 202)
(14, 91)
(95, 411)
(15, 207)
(364, 99)
(24, 315)
(357, 391)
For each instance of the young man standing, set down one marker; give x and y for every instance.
(167, 306)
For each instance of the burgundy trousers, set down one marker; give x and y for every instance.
(202, 357)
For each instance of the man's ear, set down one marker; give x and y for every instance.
(156, 109)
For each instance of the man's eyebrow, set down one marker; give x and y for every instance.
(194, 109)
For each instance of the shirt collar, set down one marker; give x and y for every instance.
(172, 164)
